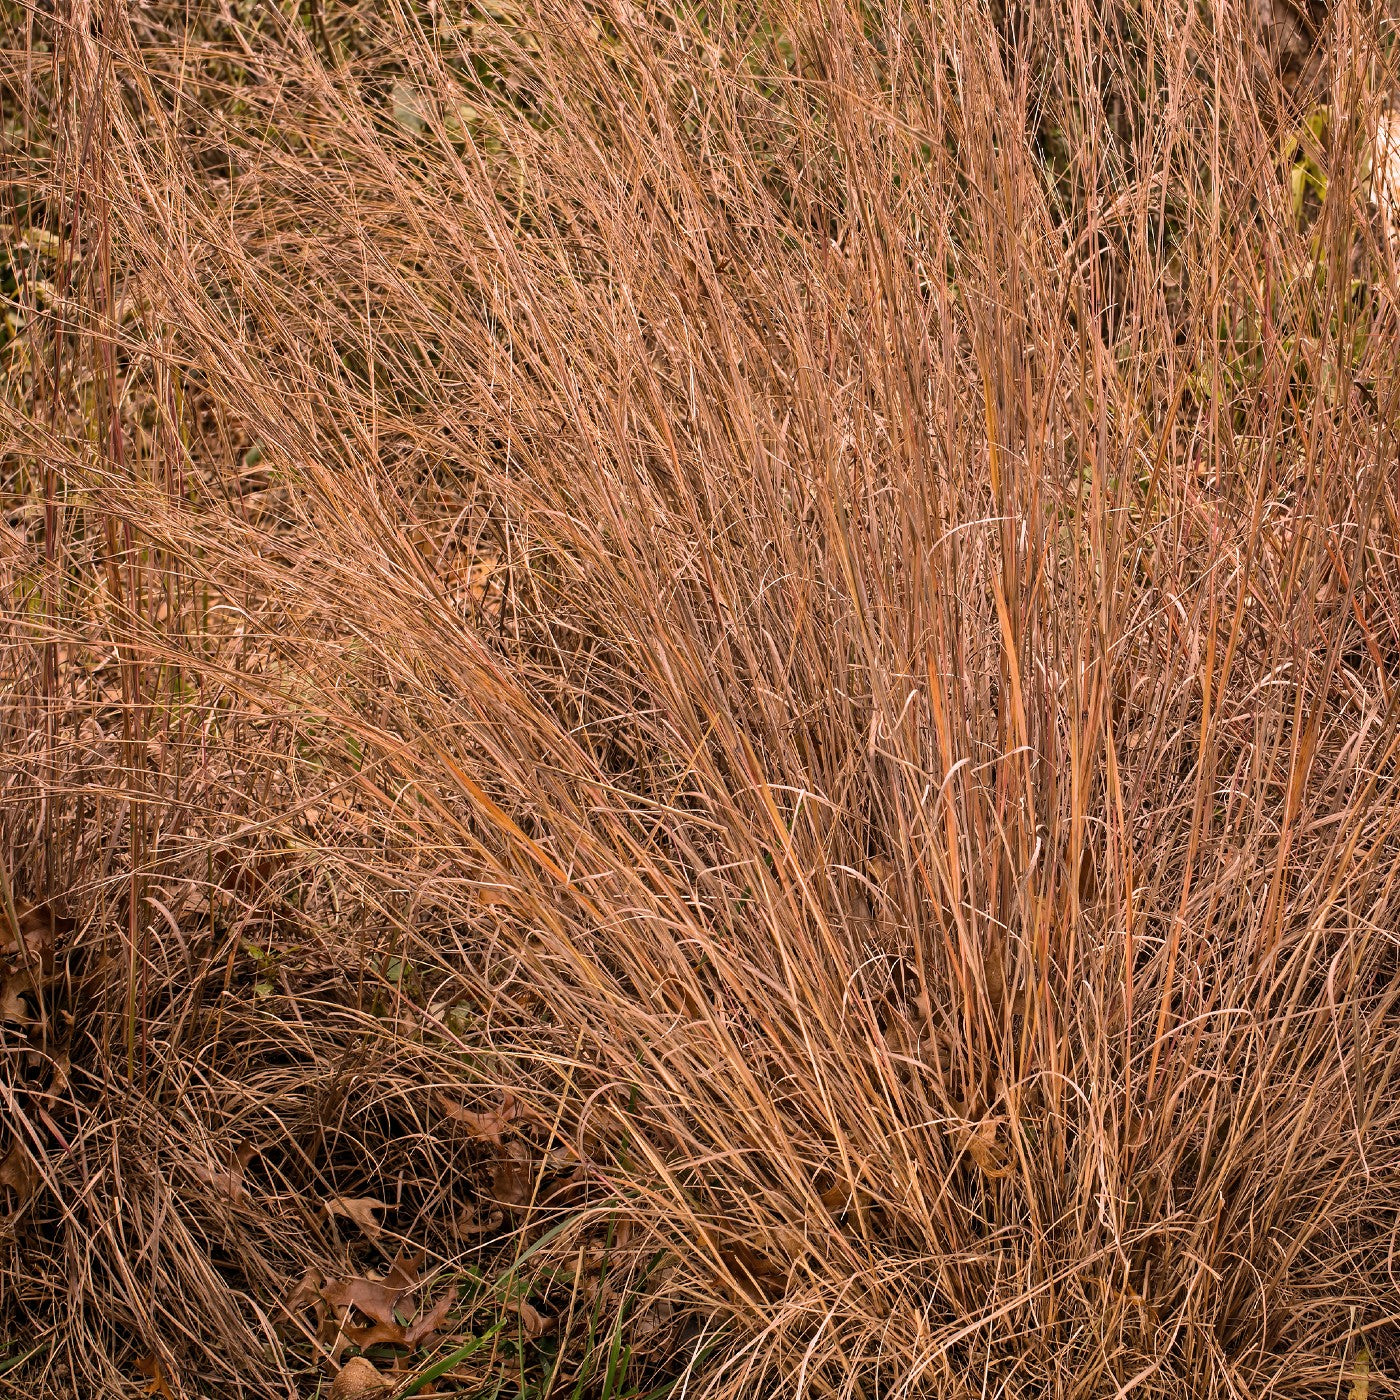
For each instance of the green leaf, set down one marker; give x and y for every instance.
(443, 1366)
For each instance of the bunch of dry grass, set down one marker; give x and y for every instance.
(704, 693)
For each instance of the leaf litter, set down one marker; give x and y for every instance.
(358, 1209)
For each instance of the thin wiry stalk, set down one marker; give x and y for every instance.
(810, 593)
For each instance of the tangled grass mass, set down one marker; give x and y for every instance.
(699, 698)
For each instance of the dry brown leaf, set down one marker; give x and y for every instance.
(431, 1320)
(372, 1297)
(476, 584)
(358, 1380)
(980, 1143)
(308, 1292)
(511, 1176)
(651, 1326)
(230, 1183)
(156, 1384)
(19, 1000)
(403, 1273)
(489, 1125)
(376, 1334)
(469, 1223)
(842, 1198)
(19, 1173)
(378, 1298)
(534, 1322)
(752, 1267)
(360, 1209)
(58, 1079)
(38, 927)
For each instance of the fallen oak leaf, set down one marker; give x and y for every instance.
(376, 1334)
(58, 1079)
(20, 1004)
(534, 1323)
(488, 1126)
(360, 1209)
(371, 1296)
(308, 1292)
(468, 1223)
(980, 1143)
(404, 1271)
(19, 1173)
(754, 1268)
(431, 1320)
(512, 1182)
(156, 1384)
(229, 1183)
